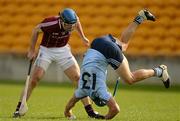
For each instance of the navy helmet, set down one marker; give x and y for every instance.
(68, 16)
(97, 100)
(100, 102)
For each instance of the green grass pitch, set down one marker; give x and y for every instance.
(137, 103)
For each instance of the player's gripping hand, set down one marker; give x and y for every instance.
(69, 115)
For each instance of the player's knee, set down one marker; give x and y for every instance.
(33, 83)
(34, 80)
(37, 78)
(130, 80)
(76, 77)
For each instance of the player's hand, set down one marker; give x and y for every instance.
(31, 54)
(69, 115)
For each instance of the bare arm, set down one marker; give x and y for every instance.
(113, 109)
(34, 37)
(81, 33)
(68, 110)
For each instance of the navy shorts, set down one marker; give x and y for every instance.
(107, 46)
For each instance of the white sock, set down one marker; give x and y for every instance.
(158, 71)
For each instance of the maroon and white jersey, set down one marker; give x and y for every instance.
(53, 34)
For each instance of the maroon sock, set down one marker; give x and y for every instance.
(90, 110)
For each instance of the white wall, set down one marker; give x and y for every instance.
(15, 68)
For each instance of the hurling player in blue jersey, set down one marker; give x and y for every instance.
(108, 50)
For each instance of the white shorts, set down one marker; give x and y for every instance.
(61, 55)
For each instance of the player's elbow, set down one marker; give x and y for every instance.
(114, 111)
(129, 81)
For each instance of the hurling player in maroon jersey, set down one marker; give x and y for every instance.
(54, 48)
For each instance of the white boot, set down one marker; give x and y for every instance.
(20, 111)
(146, 15)
(165, 76)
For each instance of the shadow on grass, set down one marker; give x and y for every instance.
(148, 87)
(33, 118)
(37, 118)
(44, 117)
